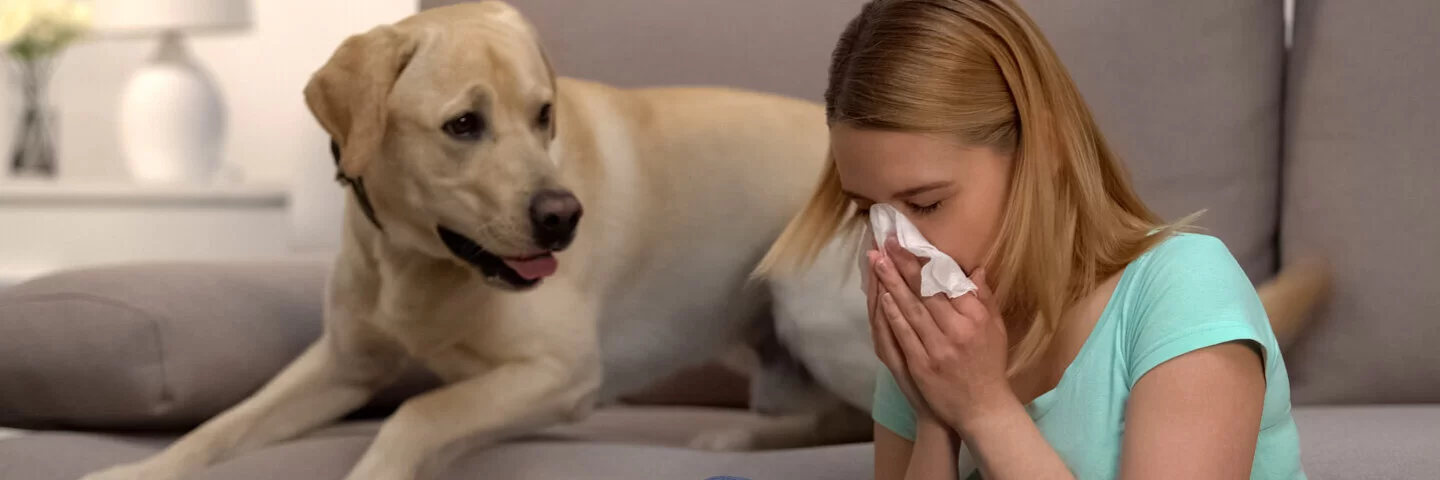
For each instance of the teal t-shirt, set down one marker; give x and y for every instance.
(1184, 294)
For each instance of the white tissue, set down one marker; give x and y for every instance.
(940, 274)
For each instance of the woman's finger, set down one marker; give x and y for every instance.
(970, 307)
(869, 283)
(914, 312)
(987, 296)
(978, 305)
(982, 285)
(885, 345)
(879, 331)
(906, 263)
(910, 344)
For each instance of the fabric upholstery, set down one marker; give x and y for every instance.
(615, 444)
(155, 346)
(1187, 92)
(1375, 442)
(1362, 160)
(781, 47)
(1370, 442)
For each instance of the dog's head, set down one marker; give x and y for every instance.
(446, 120)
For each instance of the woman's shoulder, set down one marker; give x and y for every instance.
(1185, 293)
(1187, 261)
(1188, 250)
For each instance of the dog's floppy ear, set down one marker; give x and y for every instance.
(348, 95)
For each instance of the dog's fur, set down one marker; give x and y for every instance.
(683, 191)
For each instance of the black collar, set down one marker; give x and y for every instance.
(357, 186)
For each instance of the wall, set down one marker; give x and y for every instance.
(261, 73)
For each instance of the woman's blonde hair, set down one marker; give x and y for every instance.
(981, 71)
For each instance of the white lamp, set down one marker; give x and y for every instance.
(172, 116)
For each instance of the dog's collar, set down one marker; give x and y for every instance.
(357, 187)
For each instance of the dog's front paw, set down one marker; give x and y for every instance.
(137, 471)
(727, 440)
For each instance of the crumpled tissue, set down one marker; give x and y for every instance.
(940, 275)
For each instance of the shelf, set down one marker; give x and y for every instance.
(122, 194)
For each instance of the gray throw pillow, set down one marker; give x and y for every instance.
(155, 346)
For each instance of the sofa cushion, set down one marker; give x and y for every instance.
(1377, 442)
(154, 346)
(1187, 92)
(614, 444)
(1369, 442)
(1362, 159)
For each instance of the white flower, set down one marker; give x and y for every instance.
(15, 16)
(41, 28)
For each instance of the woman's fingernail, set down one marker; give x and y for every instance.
(882, 265)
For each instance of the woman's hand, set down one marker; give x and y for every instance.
(954, 349)
(887, 349)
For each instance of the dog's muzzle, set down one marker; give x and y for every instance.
(489, 264)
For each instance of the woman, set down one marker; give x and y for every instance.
(1102, 343)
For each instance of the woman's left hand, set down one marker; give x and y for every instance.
(955, 349)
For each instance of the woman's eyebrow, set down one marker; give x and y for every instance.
(916, 190)
(906, 193)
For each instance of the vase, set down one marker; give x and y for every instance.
(33, 154)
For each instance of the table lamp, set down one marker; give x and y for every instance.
(172, 116)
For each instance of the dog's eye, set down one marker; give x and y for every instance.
(467, 126)
(543, 119)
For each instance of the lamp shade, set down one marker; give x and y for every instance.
(151, 17)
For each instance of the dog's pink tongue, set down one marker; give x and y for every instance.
(534, 268)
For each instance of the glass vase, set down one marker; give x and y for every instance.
(33, 153)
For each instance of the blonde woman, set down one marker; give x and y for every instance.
(1102, 343)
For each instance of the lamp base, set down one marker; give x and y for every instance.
(172, 119)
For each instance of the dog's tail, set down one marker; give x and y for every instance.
(1290, 297)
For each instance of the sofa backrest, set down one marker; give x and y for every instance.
(1188, 92)
(1362, 163)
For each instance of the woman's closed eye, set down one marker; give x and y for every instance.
(863, 211)
(923, 209)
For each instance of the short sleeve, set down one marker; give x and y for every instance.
(891, 410)
(1192, 294)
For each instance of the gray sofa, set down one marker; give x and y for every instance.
(1329, 147)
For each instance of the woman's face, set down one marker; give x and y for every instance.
(954, 193)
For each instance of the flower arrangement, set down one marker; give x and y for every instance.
(37, 29)
(32, 34)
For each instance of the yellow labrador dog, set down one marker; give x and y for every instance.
(543, 244)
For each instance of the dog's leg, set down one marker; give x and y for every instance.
(513, 398)
(538, 366)
(322, 384)
(797, 411)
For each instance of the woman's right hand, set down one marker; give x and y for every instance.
(885, 345)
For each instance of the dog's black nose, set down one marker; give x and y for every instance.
(554, 215)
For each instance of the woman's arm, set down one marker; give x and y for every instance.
(1008, 445)
(1196, 416)
(930, 457)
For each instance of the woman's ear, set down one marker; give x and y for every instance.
(348, 94)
